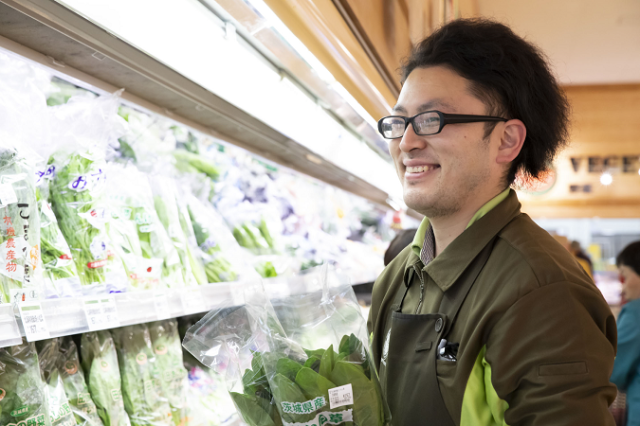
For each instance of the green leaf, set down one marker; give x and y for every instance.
(288, 368)
(251, 410)
(327, 362)
(313, 384)
(367, 404)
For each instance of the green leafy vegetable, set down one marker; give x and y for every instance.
(100, 364)
(188, 161)
(21, 387)
(60, 413)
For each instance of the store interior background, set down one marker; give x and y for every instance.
(302, 83)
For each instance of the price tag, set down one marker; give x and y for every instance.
(7, 194)
(192, 300)
(340, 396)
(33, 321)
(93, 312)
(110, 311)
(161, 303)
(101, 312)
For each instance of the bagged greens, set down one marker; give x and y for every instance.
(100, 365)
(273, 380)
(59, 409)
(192, 249)
(75, 387)
(20, 257)
(86, 128)
(173, 375)
(141, 386)
(22, 391)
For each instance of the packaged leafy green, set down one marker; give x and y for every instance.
(131, 199)
(22, 391)
(220, 252)
(100, 365)
(195, 260)
(20, 256)
(173, 376)
(296, 360)
(141, 377)
(87, 127)
(75, 386)
(59, 409)
(165, 196)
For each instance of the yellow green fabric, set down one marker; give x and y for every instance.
(418, 240)
(481, 404)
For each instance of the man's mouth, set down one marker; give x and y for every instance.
(421, 169)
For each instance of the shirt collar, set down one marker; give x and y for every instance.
(448, 265)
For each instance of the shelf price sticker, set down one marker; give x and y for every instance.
(34, 321)
(192, 300)
(161, 303)
(101, 312)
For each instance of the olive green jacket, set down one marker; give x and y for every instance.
(537, 339)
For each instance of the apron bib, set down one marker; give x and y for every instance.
(408, 364)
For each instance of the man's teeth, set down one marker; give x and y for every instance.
(420, 169)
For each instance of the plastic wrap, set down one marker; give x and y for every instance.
(143, 397)
(192, 249)
(173, 376)
(85, 128)
(152, 259)
(100, 364)
(165, 196)
(302, 361)
(22, 391)
(60, 413)
(75, 386)
(220, 252)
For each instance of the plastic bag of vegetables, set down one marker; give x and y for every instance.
(22, 391)
(141, 376)
(85, 128)
(156, 260)
(301, 359)
(173, 376)
(20, 256)
(100, 365)
(75, 386)
(60, 412)
(221, 254)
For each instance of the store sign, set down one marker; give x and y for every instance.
(613, 164)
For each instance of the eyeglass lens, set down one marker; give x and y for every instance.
(426, 124)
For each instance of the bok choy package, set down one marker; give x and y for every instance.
(300, 359)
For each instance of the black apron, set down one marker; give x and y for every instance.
(408, 365)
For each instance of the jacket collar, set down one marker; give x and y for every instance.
(447, 267)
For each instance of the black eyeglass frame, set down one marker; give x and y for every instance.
(444, 120)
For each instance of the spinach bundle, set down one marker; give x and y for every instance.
(20, 256)
(22, 390)
(169, 361)
(59, 409)
(100, 365)
(75, 386)
(141, 377)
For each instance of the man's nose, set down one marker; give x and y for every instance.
(411, 141)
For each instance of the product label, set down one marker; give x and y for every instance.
(3, 393)
(104, 366)
(340, 396)
(307, 407)
(20, 411)
(141, 358)
(161, 349)
(32, 421)
(192, 300)
(326, 418)
(33, 321)
(116, 395)
(101, 312)
(48, 174)
(161, 303)
(97, 264)
(7, 195)
(98, 248)
(71, 367)
(84, 398)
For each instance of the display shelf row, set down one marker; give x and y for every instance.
(38, 320)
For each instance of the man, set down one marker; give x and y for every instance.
(484, 319)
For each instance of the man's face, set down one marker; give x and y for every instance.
(631, 286)
(442, 173)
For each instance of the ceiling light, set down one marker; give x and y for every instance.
(606, 179)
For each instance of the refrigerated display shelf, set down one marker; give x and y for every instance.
(67, 316)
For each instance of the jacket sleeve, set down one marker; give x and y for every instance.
(551, 355)
(628, 356)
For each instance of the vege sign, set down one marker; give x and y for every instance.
(612, 163)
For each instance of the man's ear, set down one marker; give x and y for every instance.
(511, 141)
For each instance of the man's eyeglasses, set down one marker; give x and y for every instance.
(426, 123)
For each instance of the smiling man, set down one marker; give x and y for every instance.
(484, 319)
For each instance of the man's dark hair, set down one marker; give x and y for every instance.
(511, 76)
(630, 257)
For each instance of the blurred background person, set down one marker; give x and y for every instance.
(626, 369)
(576, 249)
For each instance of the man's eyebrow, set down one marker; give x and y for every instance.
(427, 106)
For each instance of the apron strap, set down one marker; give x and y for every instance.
(454, 297)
